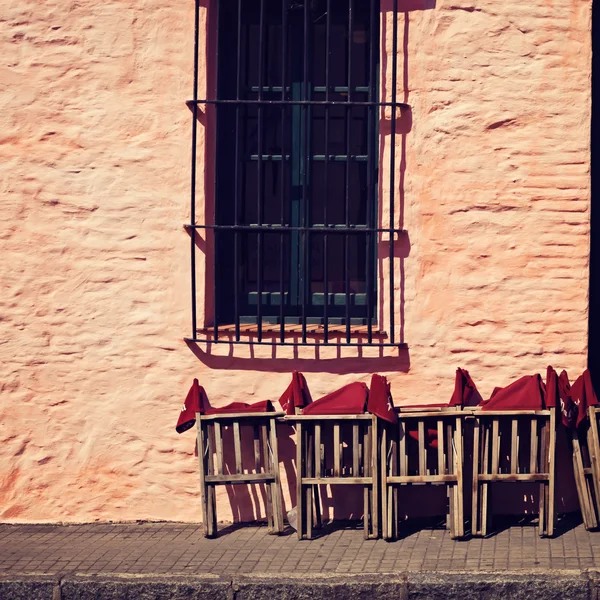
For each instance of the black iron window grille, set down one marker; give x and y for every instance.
(296, 225)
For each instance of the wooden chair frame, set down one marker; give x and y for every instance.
(447, 468)
(586, 468)
(538, 464)
(266, 463)
(355, 465)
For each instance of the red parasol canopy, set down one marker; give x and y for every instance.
(296, 395)
(583, 395)
(196, 401)
(348, 400)
(380, 401)
(526, 393)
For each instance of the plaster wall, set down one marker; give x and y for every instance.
(493, 190)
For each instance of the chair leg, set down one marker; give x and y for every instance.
(475, 481)
(594, 450)
(317, 502)
(550, 488)
(299, 475)
(269, 466)
(483, 513)
(277, 500)
(211, 524)
(459, 491)
(450, 520)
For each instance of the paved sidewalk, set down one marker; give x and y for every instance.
(180, 549)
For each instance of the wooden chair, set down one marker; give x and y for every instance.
(405, 462)
(265, 468)
(586, 468)
(321, 459)
(526, 455)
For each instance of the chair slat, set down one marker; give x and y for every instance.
(318, 451)
(403, 458)
(257, 462)
(337, 471)
(533, 450)
(495, 447)
(355, 451)
(422, 448)
(219, 448)
(514, 447)
(237, 447)
(440, 448)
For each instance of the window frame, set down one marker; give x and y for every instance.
(349, 334)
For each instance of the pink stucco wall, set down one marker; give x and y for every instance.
(94, 170)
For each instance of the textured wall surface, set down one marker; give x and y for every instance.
(94, 180)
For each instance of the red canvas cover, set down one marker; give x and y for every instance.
(380, 401)
(558, 395)
(348, 400)
(241, 407)
(526, 393)
(568, 409)
(196, 401)
(296, 395)
(552, 395)
(583, 395)
(465, 391)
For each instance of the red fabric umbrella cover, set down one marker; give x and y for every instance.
(197, 401)
(465, 391)
(348, 400)
(583, 395)
(558, 395)
(526, 393)
(380, 401)
(568, 408)
(296, 395)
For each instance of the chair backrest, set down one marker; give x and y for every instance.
(516, 445)
(423, 447)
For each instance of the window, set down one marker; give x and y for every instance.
(295, 223)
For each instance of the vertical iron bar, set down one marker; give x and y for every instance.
(371, 149)
(282, 190)
(326, 195)
(193, 174)
(393, 163)
(259, 198)
(236, 200)
(217, 97)
(347, 209)
(304, 174)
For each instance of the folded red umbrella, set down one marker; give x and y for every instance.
(552, 393)
(296, 395)
(380, 401)
(197, 402)
(558, 395)
(526, 393)
(568, 408)
(583, 395)
(348, 400)
(241, 407)
(465, 391)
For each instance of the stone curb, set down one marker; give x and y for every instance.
(566, 585)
